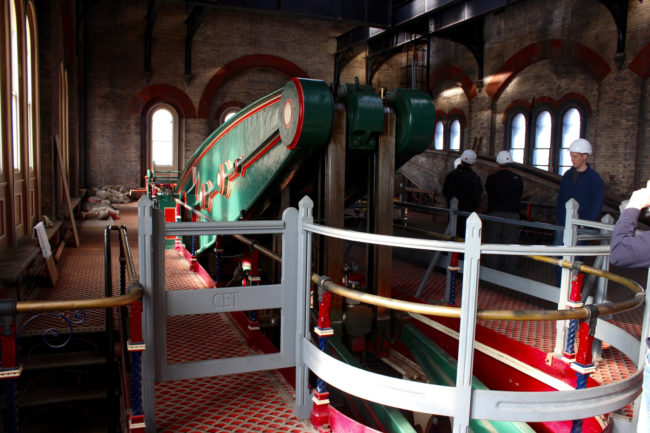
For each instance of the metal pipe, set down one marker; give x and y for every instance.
(454, 312)
(79, 304)
(130, 266)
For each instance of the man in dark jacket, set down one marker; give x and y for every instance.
(582, 183)
(464, 184)
(504, 189)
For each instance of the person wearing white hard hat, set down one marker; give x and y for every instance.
(504, 190)
(582, 183)
(464, 184)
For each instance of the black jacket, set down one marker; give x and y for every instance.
(504, 189)
(466, 186)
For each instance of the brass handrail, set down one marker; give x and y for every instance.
(534, 315)
(134, 294)
(76, 304)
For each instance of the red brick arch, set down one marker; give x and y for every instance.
(226, 72)
(526, 106)
(572, 51)
(455, 74)
(163, 93)
(641, 63)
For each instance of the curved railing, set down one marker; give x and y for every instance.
(531, 315)
(461, 402)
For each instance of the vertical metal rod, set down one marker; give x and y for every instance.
(467, 329)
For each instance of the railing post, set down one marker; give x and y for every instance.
(9, 368)
(302, 407)
(570, 236)
(583, 364)
(641, 412)
(467, 330)
(194, 264)
(451, 229)
(569, 354)
(147, 257)
(320, 410)
(600, 294)
(218, 250)
(178, 243)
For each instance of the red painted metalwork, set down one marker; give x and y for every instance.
(576, 288)
(340, 423)
(323, 311)
(301, 113)
(135, 316)
(136, 424)
(319, 417)
(585, 344)
(8, 345)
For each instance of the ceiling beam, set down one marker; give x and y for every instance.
(416, 20)
(618, 9)
(152, 13)
(193, 22)
(371, 12)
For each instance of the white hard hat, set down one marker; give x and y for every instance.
(456, 162)
(504, 158)
(580, 146)
(468, 157)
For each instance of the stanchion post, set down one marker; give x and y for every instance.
(320, 409)
(451, 227)
(570, 236)
(9, 368)
(467, 329)
(302, 406)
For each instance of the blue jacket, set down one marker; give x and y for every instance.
(587, 190)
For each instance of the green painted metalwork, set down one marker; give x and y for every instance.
(365, 115)
(415, 124)
(266, 142)
(391, 419)
(236, 164)
(440, 368)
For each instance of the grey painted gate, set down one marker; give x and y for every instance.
(159, 304)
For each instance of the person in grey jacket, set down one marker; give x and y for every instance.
(628, 249)
(631, 250)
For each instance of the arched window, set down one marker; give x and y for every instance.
(163, 137)
(543, 138)
(227, 114)
(18, 113)
(454, 135)
(15, 87)
(30, 94)
(570, 131)
(439, 138)
(31, 61)
(542, 146)
(518, 137)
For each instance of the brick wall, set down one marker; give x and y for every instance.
(557, 48)
(115, 51)
(562, 47)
